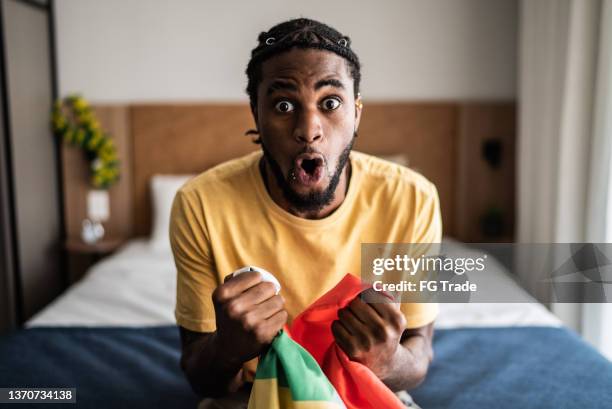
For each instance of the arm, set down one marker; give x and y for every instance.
(412, 360)
(375, 335)
(231, 322)
(249, 314)
(207, 375)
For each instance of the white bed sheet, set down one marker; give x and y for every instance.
(134, 287)
(137, 287)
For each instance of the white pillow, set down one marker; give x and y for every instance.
(163, 190)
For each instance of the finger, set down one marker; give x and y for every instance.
(359, 331)
(352, 323)
(249, 300)
(342, 338)
(264, 310)
(275, 323)
(390, 314)
(365, 312)
(234, 286)
(377, 325)
(258, 293)
(380, 304)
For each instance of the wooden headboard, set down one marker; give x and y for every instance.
(444, 141)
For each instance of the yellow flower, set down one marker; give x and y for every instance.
(83, 118)
(80, 127)
(79, 103)
(79, 137)
(103, 145)
(91, 144)
(106, 155)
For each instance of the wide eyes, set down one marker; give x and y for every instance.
(328, 104)
(284, 106)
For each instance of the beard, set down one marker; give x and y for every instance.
(313, 201)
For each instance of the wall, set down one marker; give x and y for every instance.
(154, 50)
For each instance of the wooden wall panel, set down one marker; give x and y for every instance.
(183, 139)
(425, 133)
(482, 187)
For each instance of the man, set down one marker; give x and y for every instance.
(300, 209)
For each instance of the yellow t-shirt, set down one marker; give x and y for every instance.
(224, 219)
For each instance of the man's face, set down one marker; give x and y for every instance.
(307, 116)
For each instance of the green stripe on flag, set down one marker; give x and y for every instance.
(294, 368)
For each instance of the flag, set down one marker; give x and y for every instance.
(356, 384)
(288, 377)
(310, 371)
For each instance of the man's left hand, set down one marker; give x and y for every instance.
(370, 333)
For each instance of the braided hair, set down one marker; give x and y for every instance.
(300, 33)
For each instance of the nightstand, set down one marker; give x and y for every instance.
(81, 256)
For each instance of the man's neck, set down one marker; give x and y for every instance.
(277, 196)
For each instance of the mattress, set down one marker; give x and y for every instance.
(137, 287)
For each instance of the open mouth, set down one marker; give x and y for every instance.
(310, 165)
(309, 168)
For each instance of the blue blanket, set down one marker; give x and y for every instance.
(515, 368)
(473, 368)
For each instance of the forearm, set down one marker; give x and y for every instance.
(211, 370)
(410, 363)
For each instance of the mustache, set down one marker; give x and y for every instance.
(307, 149)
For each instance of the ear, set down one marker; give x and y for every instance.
(358, 110)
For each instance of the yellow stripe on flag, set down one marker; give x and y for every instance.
(266, 394)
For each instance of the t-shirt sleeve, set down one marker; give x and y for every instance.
(426, 237)
(196, 275)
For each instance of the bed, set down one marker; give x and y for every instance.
(113, 337)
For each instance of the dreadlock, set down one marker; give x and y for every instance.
(300, 33)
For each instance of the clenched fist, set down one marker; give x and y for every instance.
(370, 333)
(249, 314)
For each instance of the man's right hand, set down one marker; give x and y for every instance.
(249, 314)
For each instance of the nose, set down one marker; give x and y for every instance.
(308, 127)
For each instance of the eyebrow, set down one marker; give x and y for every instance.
(279, 85)
(331, 82)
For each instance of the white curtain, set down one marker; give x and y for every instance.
(565, 136)
(597, 318)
